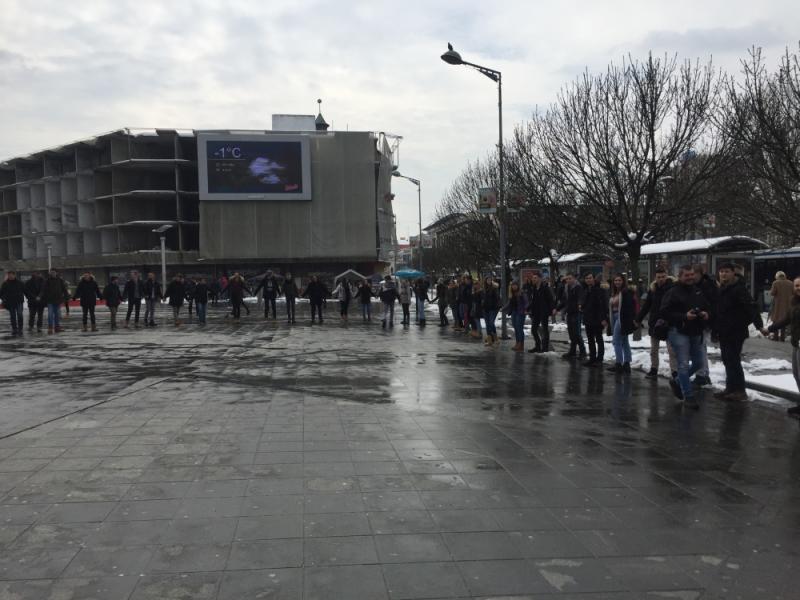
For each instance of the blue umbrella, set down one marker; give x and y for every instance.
(409, 274)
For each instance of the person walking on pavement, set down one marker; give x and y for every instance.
(465, 301)
(421, 295)
(491, 306)
(782, 293)
(12, 295)
(541, 306)
(236, 289)
(734, 313)
(89, 292)
(476, 310)
(595, 319)
(517, 308)
(441, 302)
(344, 294)
(33, 290)
(572, 304)
(452, 300)
(316, 292)
(405, 300)
(792, 321)
(113, 298)
(290, 292)
(652, 306)
(54, 291)
(687, 310)
(622, 308)
(189, 284)
(201, 293)
(388, 295)
(710, 288)
(133, 293)
(364, 295)
(152, 296)
(176, 292)
(271, 290)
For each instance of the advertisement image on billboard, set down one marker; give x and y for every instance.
(254, 167)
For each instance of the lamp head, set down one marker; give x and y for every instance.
(451, 57)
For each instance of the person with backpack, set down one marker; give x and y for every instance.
(113, 298)
(12, 295)
(89, 292)
(133, 293)
(33, 290)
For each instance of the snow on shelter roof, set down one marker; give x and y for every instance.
(728, 243)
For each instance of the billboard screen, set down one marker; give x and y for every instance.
(254, 166)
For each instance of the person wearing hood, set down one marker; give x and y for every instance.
(290, 292)
(316, 292)
(152, 295)
(388, 295)
(792, 321)
(113, 298)
(271, 289)
(236, 289)
(133, 293)
(652, 306)
(441, 302)
(54, 292)
(12, 294)
(735, 311)
(364, 295)
(88, 292)
(33, 290)
(176, 292)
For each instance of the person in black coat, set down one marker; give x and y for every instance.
(152, 295)
(176, 292)
(710, 290)
(734, 313)
(622, 308)
(290, 292)
(595, 318)
(652, 307)
(541, 306)
(33, 292)
(364, 295)
(113, 298)
(133, 293)
(572, 305)
(88, 292)
(236, 288)
(316, 292)
(189, 285)
(271, 290)
(12, 294)
(201, 293)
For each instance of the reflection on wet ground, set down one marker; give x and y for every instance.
(353, 462)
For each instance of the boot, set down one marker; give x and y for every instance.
(49, 331)
(737, 396)
(487, 340)
(94, 327)
(85, 327)
(58, 329)
(127, 324)
(652, 374)
(626, 368)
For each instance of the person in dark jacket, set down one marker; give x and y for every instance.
(517, 308)
(622, 309)
(316, 292)
(364, 296)
(152, 296)
(12, 294)
(734, 312)
(236, 289)
(491, 306)
(465, 301)
(452, 300)
(421, 288)
(595, 319)
(710, 289)
(271, 290)
(687, 310)
(652, 306)
(572, 304)
(290, 292)
(189, 284)
(176, 292)
(388, 295)
(792, 321)
(541, 306)
(33, 290)
(133, 294)
(476, 310)
(201, 293)
(54, 292)
(88, 292)
(113, 298)
(441, 301)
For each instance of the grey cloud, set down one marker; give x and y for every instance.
(694, 43)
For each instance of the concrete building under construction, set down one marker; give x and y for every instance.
(303, 199)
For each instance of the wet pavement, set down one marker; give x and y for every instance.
(348, 462)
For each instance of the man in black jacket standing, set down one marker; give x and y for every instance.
(12, 294)
(687, 310)
(33, 292)
(88, 292)
(652, 306)
(541, 306)
(113, 299)
(572, 304)
(735, 311)
(133, 293)
(595, 319)
(316, 292)
(270, 286)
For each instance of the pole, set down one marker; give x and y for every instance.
(419, 206)
(163, 260)
(49, 258)
(502, 210)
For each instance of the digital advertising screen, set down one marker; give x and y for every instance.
(254, 167)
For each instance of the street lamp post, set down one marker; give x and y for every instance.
(49, 257)
(419, 208)
(451, 57)
(162, 231)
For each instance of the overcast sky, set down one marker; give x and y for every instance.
(69, 70)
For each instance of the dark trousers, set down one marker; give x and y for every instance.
(443, 314)
(290, 307)
(594, 334)
(731, 350)
(35, 314)
(88, 312)
(133, 307)
(270, 301)
(574, 331)
(236, 306)
(406, 313)
(542, 341)
(15, 313)
(316, 308)
(190, 303)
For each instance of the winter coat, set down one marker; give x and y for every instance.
(491, 299)
(316, 292)
(627, 311)
(33, 290)
(343, 292)
(792, 321)
(88, 291)
(541, 303)
(441, 294)
(54, 291)
(112, 295)
(364, 293)
(678, 301)
(652, 304)
(421, 290)
(710, 289)
(176, 292)
(189, 287)
(12, 293)
(290, 289)
(572, 300)
(477, 302)
(516, 305)
(152, 289)
(270, 286)
(388, 293)
(465, 293)
(735, 311)
(236, 288)
(405, 292)
(452, 295)
(782, 293)
(133, 290)
(201, 293)
(595, 307)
